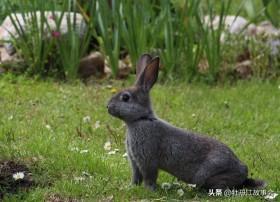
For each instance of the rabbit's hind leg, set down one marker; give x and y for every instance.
(225, 180)
(207, 169)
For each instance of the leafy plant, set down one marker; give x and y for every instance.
(272, 11)
(108, 23)
(181, 50)
(139, 26)
(40, 42)
(212, 39)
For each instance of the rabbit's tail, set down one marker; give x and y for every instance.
(254, 183)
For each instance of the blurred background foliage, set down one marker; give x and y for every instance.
(175, 30)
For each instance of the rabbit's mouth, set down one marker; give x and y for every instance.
(112, 110)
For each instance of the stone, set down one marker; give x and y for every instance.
(274, 45)
(5, 56)
(125, 67)
(233, 24)
(266, 28)
(203, 65)
(92, 65)
(51, 28)
(243, 70)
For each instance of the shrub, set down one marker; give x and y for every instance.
(41, 45)
(176, 30)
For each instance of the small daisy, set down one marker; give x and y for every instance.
(177, 184)
(86, 119)
(79, 179)
(180, 192)
(97, 124)
(112, 152)
(74, 149)
(83, 151)
(18, 175)
(48, 127)
(84, 173)
(271, 196)
(107, 146)
(192, 185)
(165, 185)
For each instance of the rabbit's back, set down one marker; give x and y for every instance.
(182, 152)
(179, 152)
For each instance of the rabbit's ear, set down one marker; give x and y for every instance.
(149, 76)
(143, 61)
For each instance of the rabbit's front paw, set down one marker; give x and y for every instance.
(137, 179)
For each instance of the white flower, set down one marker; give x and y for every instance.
(192, 185)
(107, 146)
(97, 124)
(48, 127)
(84, 173)
(226, 103)
(18, 176)
(79, 179)
(271, 196)
(193, 115)
(112, 152)
(124, 155)
(86, 119)
(74, 149)
(83, 151)
(165, 185)
(180, 192)
(10, 117)
(177, 184)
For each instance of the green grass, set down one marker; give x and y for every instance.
(245, 116)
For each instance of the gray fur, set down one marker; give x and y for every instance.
(154, 144)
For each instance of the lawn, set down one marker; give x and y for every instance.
(59, 130)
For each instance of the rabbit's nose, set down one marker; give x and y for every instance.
(109, 105)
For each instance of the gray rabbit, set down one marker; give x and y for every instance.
(154, 144)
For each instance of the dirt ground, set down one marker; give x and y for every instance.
(10, 185)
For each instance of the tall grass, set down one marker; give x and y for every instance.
(139, 26)
(272, 11)
(40, 42)
(175, 30)
(109, 27)
(212, 39)
(181, 49)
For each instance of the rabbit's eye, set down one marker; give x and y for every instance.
(125, 97)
